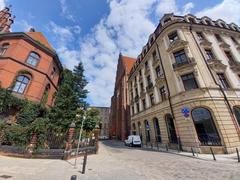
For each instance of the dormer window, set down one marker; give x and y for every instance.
(3, 48)
(218, 37)
(173, 37)
(167, 20)
(191, 20)
(200, 36)
(33, 59)
(208, 22)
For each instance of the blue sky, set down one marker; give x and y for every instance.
(95, 31)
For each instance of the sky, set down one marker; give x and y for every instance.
(96, 31)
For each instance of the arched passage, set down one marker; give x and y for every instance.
(172, 136)
(157, 130)
(205, 127)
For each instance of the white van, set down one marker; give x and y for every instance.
(133, 140)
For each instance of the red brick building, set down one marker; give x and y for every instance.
(29, 66)
(119, 113)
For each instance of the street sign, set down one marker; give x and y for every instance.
(185, 111)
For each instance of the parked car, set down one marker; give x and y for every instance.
(133, 140)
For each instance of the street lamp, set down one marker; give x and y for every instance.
(80, 133)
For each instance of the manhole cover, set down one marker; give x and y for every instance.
(5, 176)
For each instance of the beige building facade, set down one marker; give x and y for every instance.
(185, 85)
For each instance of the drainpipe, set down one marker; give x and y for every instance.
(169, 100)
(215, 81)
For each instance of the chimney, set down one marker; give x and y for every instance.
(31, 29)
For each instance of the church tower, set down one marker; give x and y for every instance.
(6, 20)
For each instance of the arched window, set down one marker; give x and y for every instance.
(205, 127)
(140, 130)
(134, 129)
(21, 84)
(4, 48)
(147, 131)
(172, 136)
(157, 130)
(237, 113)
(33, 59)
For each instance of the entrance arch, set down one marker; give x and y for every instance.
(205, 127)
(157, 130)
(172, 136)
(147, 130)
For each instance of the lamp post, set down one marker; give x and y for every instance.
(80, 134)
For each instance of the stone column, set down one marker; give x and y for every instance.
(68, 147)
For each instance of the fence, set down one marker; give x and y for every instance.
(56, 145)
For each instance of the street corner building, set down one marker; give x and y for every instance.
(185, 86)
(29, 66)
(119, 112)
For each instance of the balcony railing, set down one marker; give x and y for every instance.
(183, 63)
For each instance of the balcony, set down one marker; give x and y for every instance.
(160, 79)
(235, 66)
(149, 88)
(180, 65)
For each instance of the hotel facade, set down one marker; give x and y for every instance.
(184, 88)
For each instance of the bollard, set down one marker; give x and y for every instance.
(151, 146)
(73, 177)
(192, 151)
(84, 163)
(212, 154)
(238, 155)
(166, 147)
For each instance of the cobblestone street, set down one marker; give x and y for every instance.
(115, 161)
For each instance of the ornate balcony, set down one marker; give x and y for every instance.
(235, 66)
(189, 63)
(149, 88)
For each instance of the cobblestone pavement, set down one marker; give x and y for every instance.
(117, 162)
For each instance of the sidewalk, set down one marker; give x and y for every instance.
(231, 158)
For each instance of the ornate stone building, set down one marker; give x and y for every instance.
(185, 85)
(119, 113)
(29, 66)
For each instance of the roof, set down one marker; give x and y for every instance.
(38, 36)
(128, 62)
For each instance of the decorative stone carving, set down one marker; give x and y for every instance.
(205, 43)
(224, 45)
(177, 44)
(216, 65)
(190, 63)
(235, 66)
(160, 79)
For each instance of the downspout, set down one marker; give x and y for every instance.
(215, 81)
(169, 100)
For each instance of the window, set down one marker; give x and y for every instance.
(173, 37)
(229, 55)
(163, 93)
(4, 48)
(21, 84)
(218, 37)
(172, 136)
(144, 104)
(137, 107)
(149, 80)
(136, 91)
(191, 20)
(234, 40)
(180, 57)
(205, 127)
(140, 130)
(189, 81)
(157, 130)
(154, 54)
(33, 59)
(135, 80)
(158, 71)
(151, 99)
(209, 54)
(141, 86)
(133, 129)
(132, 95)
(140, 73)
(222, 80)
(132, 110)
(167, 20)
(147, 130)
(146, 65)
(236, 111)
(200, 36)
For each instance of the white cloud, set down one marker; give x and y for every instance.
(187, 8)
(25, 25)
(228, 10)
(2, 4)
(65, 11)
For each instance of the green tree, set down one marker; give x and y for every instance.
(66, 103)
(80, 84)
